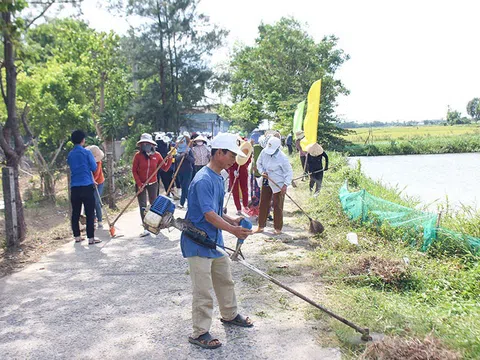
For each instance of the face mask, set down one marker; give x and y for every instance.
(147, 148)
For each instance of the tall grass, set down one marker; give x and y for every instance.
(436, 293)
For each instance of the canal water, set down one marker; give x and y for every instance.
(431, 178)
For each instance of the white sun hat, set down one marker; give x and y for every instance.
(229, 142)
(273, 144)
(146, 138)
(96, 152)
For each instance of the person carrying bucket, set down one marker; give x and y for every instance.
(209, 268)
(145, 162)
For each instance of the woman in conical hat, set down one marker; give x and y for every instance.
(315, 166)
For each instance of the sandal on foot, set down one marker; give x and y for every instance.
(93, 241)
(204, 341)
(239, 320)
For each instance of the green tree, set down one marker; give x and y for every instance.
(169, 59)
(455, 117)
(245, 114)
(108, 85)
(473, 108)
(13, 26)
(56, 104)
(278, 70)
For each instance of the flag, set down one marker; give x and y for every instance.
(310, 125)
(298, 117)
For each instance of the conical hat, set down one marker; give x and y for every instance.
(96, 152)
(247, 149)
(314, 149)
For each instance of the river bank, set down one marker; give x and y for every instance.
(386, 284)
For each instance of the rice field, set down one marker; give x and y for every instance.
(372, 135)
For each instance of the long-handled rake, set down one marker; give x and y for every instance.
(316, 227)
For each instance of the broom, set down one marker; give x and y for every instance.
(112, 225)
(316, 227)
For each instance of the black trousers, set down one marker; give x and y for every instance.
(290, 149)
(151, 191)
(166, 178)
(83, 195)
(316, 179)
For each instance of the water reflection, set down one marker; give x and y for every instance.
(430, 178)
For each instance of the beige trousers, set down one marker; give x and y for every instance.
(205, 273)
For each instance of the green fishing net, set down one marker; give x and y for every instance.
(363, 206)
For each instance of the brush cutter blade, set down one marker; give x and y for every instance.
(316, 227)
(360, 340)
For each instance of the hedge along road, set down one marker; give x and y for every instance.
(131, 298)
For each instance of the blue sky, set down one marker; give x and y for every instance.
(409, 59)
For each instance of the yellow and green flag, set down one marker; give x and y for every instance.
(310, 125)
(298, 117)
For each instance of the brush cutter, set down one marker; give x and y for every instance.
(160, 216)
(316, 227)
(314, 172)
(112, 225)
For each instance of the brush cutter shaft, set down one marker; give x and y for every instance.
(296, 293)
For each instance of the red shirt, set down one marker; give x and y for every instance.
(143, 167)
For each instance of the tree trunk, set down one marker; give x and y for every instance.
(49, 187)
(11, 131)
(163, 84)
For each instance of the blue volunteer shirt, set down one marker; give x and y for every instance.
(82, 164)
(205, 194)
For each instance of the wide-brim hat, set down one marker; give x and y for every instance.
(97, 153)
(299, 135)
(247, 149)
(273, 144)
(314, 149)
(146, 138)
(200, 138)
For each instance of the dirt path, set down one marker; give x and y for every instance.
(130, 298)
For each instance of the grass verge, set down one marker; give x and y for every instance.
(384, 283)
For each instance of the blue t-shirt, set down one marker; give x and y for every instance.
(82, 164)
(205, 194)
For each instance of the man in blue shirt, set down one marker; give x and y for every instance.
(82, 164)
(209, 268)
